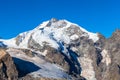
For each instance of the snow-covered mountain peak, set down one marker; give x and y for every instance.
(53, 33)
(59, 42)
(54, 23)
(61, 50)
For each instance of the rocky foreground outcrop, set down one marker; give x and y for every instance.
(7, 67)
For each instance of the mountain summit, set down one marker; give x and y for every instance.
(62, 50)
(53, 32)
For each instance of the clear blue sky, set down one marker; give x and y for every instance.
(17, 16)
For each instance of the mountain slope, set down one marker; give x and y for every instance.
(55, 49)
(52, 32)
(55, 40)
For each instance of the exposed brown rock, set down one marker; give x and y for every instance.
(73, 29)
(7, 68)
(112, 46)
(54, 56)
(28, 52)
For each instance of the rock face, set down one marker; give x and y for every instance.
(111, 58)
(7, 68)
(60, 50)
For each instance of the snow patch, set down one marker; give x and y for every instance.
(93, 36)
(42, 25)
(74, 37)
(9, 43)
(74, 49)
(42, 38)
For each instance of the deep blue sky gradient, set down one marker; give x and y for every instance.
(17, 16)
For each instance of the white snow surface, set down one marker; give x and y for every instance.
(53, 34)
(47, 69)
(9, 42)
(74, 37)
